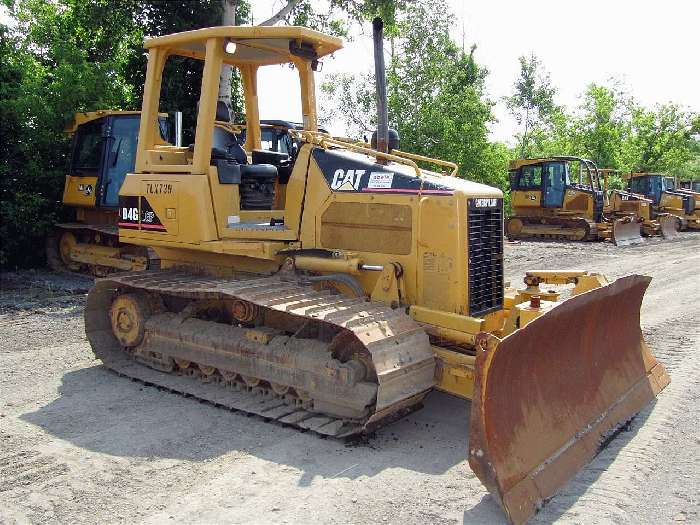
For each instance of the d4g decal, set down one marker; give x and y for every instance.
(136, 213)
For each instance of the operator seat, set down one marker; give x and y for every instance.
(225, 143)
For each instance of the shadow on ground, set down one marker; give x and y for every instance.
(105, 413)
(102, 412)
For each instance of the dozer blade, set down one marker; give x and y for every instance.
(669, 226)
(548, 397)
(626, 232)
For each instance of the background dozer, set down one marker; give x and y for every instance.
(682, 204)
(693, 185)
(103, 152)
(620, 203)
(550, 200)
(334, 288)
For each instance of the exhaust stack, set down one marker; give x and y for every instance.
(380, 83)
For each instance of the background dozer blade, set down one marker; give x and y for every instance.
(626, 232)
(669, 226)
(548, 397)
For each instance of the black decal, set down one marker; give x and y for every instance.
(352, 172)
(136, 213)
(149, 219)
(129, 212)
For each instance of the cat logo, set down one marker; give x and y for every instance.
(347, 180)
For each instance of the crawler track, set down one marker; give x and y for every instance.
(311, 359)
(98, 235)
(560, 228)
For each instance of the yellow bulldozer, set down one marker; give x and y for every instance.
(692, 185)
(334, 287)
(103, 151)
(682, 204)
(621, 203)
(553, 200)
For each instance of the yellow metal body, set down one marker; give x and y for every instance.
(681, 203)
(418, 239)
(344, 214)
(577, 201)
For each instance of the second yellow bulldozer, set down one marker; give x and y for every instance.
(550, 200)
(334, 287)
(621, 203)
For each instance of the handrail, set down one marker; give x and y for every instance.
(323, 139)
(412, 156)
(422, 158)
(373, 153)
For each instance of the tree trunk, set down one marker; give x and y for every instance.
(228, 18)
(281, 14)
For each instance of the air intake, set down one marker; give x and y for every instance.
(485, 255)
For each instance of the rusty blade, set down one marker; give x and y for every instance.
(626, 232)
(669, 226)
(549, 396)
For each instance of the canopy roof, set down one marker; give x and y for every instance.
(254, 44)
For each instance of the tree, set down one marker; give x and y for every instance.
(57, 60)
(662, 139)
(532, 103)
(602, 125)
(436, 96)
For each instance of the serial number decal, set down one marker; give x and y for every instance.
(485, 203)
(380, 179)
(159, 188)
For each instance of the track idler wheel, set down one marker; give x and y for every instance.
(514, 228)
(244, 311)
(128, 315)
(206, 369)
(183, 363)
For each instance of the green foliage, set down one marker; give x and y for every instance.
(661, 139)
(56, 61)
(436, 97)
(614, 131)
(532, 103)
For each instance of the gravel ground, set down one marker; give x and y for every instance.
(82, 445)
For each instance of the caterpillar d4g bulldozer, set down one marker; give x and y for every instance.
(334, 287)
(103, 152)
(548, 203)
(682, 204)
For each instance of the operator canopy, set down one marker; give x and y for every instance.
(253, 44)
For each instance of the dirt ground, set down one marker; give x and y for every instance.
(81, 444)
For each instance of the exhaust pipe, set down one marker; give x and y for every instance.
(380, 83)
(178, 128)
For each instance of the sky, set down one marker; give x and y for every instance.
(652, 47)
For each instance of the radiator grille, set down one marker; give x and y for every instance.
(485, 255)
